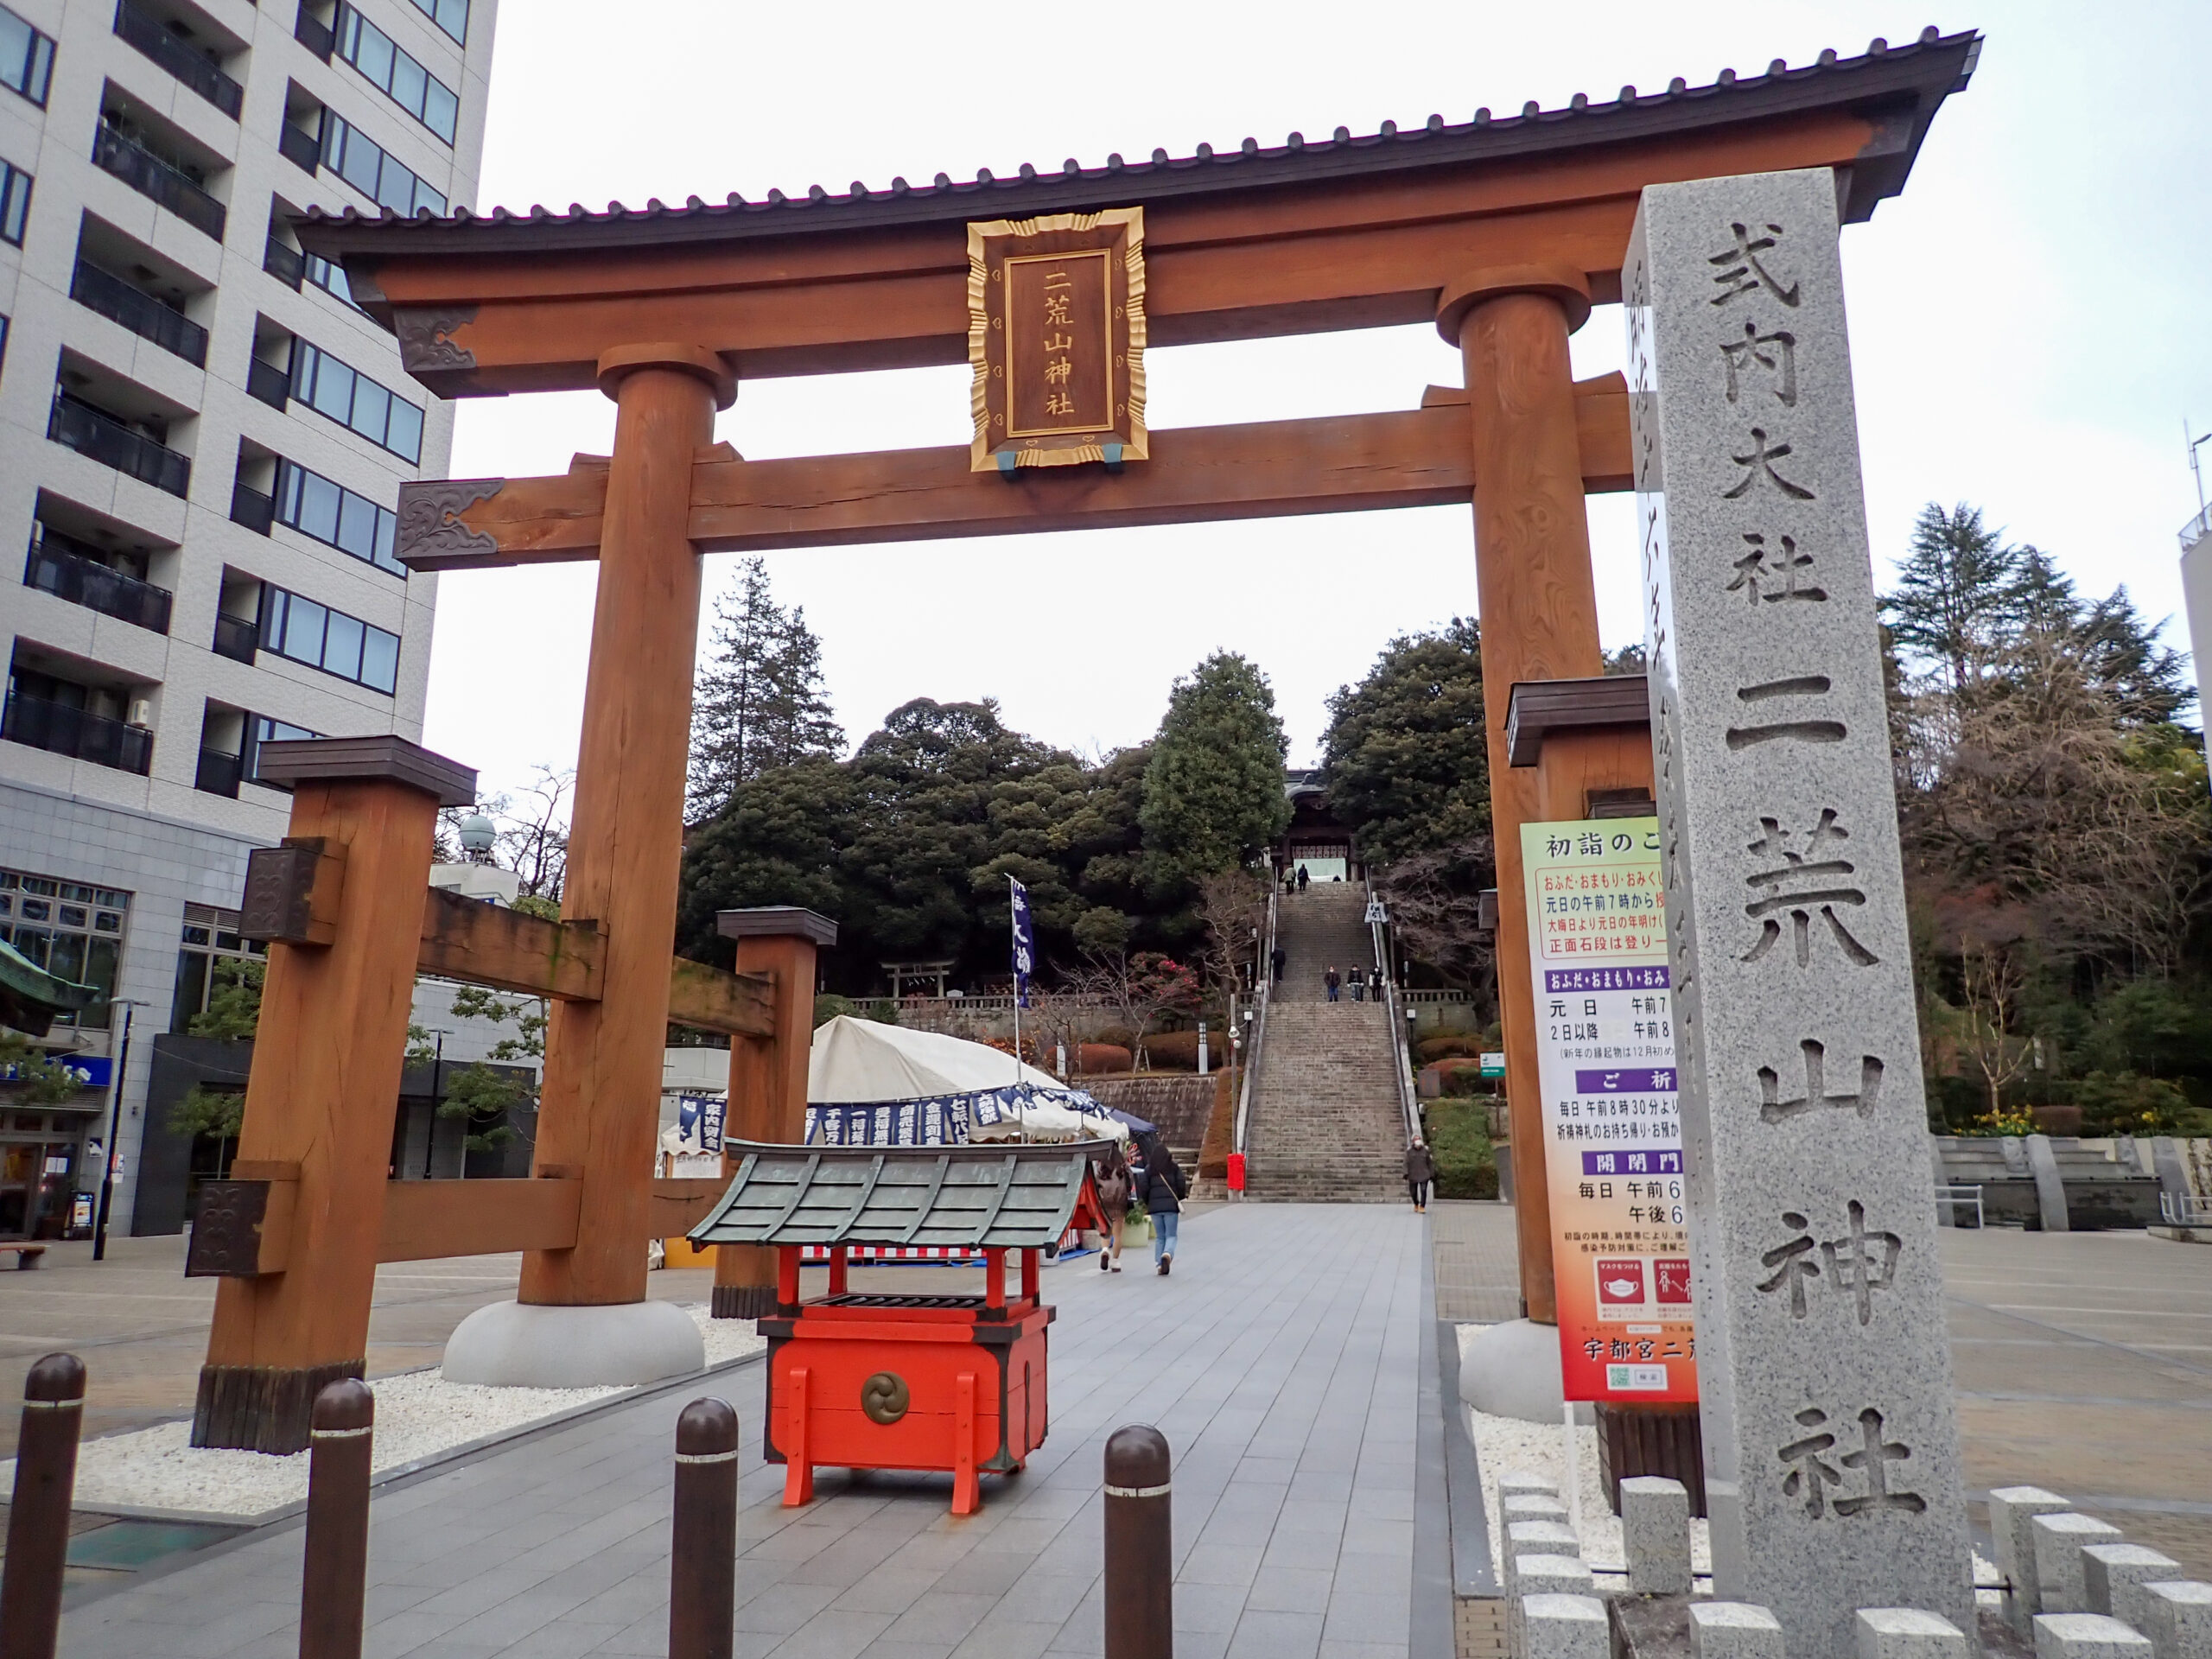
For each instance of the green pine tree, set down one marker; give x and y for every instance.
(1407, 752)
(1213, 789)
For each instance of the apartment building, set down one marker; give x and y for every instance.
(201, 442)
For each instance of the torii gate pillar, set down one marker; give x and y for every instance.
(1539, 606)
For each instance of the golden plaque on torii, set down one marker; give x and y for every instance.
(1056, 338)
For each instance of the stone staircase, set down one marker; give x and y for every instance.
(1325, 1126)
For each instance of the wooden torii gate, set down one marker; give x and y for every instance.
(1504, 231)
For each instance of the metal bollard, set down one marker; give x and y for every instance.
(38, 1522)
(333, 1583)
(1139, 1546)
(703, 1561)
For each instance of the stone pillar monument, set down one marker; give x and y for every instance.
(1830, 1431)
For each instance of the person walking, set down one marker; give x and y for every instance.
(1276, 958)
(1358, 985)
(1330, 981)
(1163, 1188)
(1111, 1173)
(1302, 877)
(1420, 1170)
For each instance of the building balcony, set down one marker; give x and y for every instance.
(286, 265)
(300, 147)
(2196, 530)
(268, 382)
(315, 35)
(236, 637)
(142, 314)
(168, 185)
(101, 437)
(146, 33)
(250, 507)
(59, 729)
(55, 569)
(217, 773)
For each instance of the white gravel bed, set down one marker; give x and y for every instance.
(420, 1416)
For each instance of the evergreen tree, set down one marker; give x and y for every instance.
(1406, 751)
(760, 700)
(1213, 789)
(1958, 593)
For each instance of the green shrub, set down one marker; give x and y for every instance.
(1444, 1048)
(1458, 1133)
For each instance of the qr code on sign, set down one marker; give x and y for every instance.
(1637, 1379)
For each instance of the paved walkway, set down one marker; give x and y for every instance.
(1282, 1361)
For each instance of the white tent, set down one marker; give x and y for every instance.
(929, 1088)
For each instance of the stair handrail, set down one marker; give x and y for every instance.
(1401, 1069)
(1263, 993)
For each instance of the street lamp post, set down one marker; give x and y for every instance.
(114, 1126)
(437, 1081)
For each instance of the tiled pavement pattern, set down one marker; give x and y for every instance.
(1281, 1360)
(1478, 1260)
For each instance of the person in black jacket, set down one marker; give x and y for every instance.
(1420, 1170)
(1276, 958)
(1161, 1183)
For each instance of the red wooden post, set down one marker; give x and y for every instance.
(787, 1279)
(38, 1517)
(994, 1278)
(837, 1261)
(799, 1452)
(967, 1489)
(1031, 1289)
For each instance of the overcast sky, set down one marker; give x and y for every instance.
(2028, 320)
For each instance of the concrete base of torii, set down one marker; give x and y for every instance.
(1512, 1369)
(525, 1345)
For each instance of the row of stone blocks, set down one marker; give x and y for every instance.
(2073, 1584)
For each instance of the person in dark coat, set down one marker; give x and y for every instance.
(1302, 877)
(1358, 985)
(1277, 958)
(1420, 1170)
(1163, 1188)
(1330, 981)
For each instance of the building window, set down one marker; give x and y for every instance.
(315, 506)
(361, 161)
(27, 56)
(330, 640)
(392, 71)
(210, 936)
(352, 399)
(15, 202)
(73, 931)
(451, 15)
(329, 276)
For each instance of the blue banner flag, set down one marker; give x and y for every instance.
(1024, 944)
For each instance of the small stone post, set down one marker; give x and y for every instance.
(1908, 1633)
(2051, 1187)
(334, 1568)
(1566, 1627)
(2088, 1636)
(1734, 1629)
(1139, 1554)
(1536, 1575)
(703, 1551)
(1824, 1377)
(2180, 1619)
(1656, 1535)
(2115, 1575)
(2011, 1511)
(2061, 1581)
(38, 1516)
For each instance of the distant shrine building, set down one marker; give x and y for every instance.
(1317, 838)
